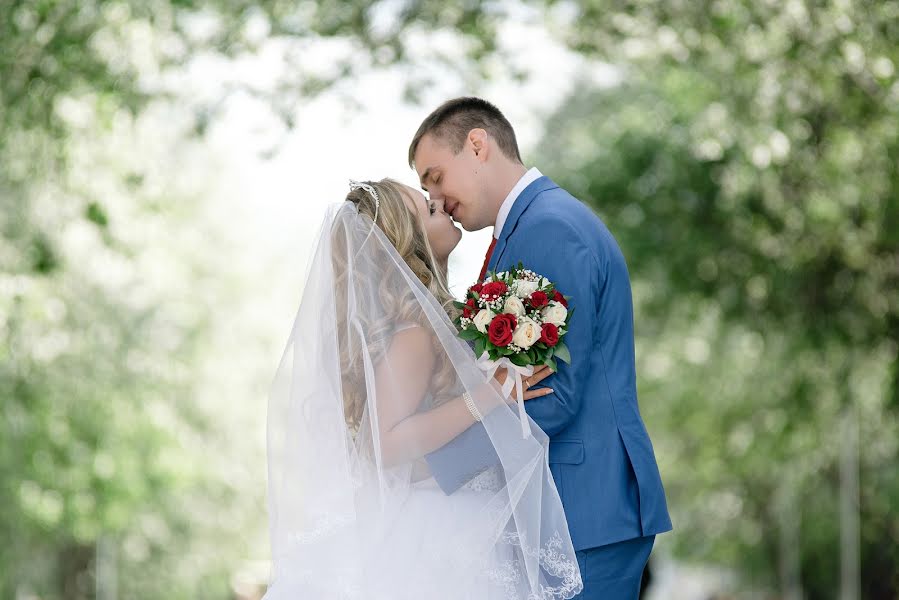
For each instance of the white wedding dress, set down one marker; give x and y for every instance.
(345, 522)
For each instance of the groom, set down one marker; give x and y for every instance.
(600, 454)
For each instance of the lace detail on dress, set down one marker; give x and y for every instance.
(327, 525)
(486, 481)
(564, 571)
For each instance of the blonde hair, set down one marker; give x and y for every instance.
(403, 228)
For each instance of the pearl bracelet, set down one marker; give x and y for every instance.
(469, 403)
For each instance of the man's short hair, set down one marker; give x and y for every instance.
(452, 120)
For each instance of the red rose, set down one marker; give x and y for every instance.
(493, 290)
(560, 298)
(469, 309)
(538, 299)
(476, 288)
(549, 335)
(501, 329)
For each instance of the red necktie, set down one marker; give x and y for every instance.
(487, 259)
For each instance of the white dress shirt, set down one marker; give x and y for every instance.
(527, 179)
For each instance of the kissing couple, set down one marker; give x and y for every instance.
(402, 463)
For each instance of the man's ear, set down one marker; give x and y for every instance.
(480, 143)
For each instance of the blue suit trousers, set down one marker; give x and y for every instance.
(614, 571)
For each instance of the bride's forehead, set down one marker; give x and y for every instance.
(412, 198)
(413, 194)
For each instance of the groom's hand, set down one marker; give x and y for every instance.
(540, 373)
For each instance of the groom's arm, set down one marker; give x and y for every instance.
(575, 271)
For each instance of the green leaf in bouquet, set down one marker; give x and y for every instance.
(470, 333)
(520, 359)
(459, 305)
(551, 364)
(561, 352)
(480, 345)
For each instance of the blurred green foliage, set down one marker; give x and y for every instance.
(106, 300)
(747, 165)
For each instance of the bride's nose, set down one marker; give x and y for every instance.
(439, 204)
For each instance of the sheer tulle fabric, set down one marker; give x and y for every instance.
(347, 521)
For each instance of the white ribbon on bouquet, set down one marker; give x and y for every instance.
(514, 377)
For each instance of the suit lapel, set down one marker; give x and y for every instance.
(541, 184)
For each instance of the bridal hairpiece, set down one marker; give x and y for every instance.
(355, 185)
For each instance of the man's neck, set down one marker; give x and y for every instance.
(508, 176)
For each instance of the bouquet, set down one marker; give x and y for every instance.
(516, 319)
(518, 315)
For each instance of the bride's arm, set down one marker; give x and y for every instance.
(402, 379)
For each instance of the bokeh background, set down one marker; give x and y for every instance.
(164, 166)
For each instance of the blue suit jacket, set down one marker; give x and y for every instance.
(600, 454)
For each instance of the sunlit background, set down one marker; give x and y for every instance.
(164, 167)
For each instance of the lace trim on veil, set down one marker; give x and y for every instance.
(551, 559)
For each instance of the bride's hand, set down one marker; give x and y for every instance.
(540, 373)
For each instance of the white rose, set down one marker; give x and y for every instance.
(524, 288)
(555, 313)
(526, 334)
(514, 306)
(482, 319)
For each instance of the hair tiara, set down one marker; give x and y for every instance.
(355, 185)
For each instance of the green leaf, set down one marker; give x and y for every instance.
(520, 359)
(470, 334)
(96, 214)
(561, 352)
(480, 345)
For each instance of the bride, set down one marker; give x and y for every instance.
(372, 381)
